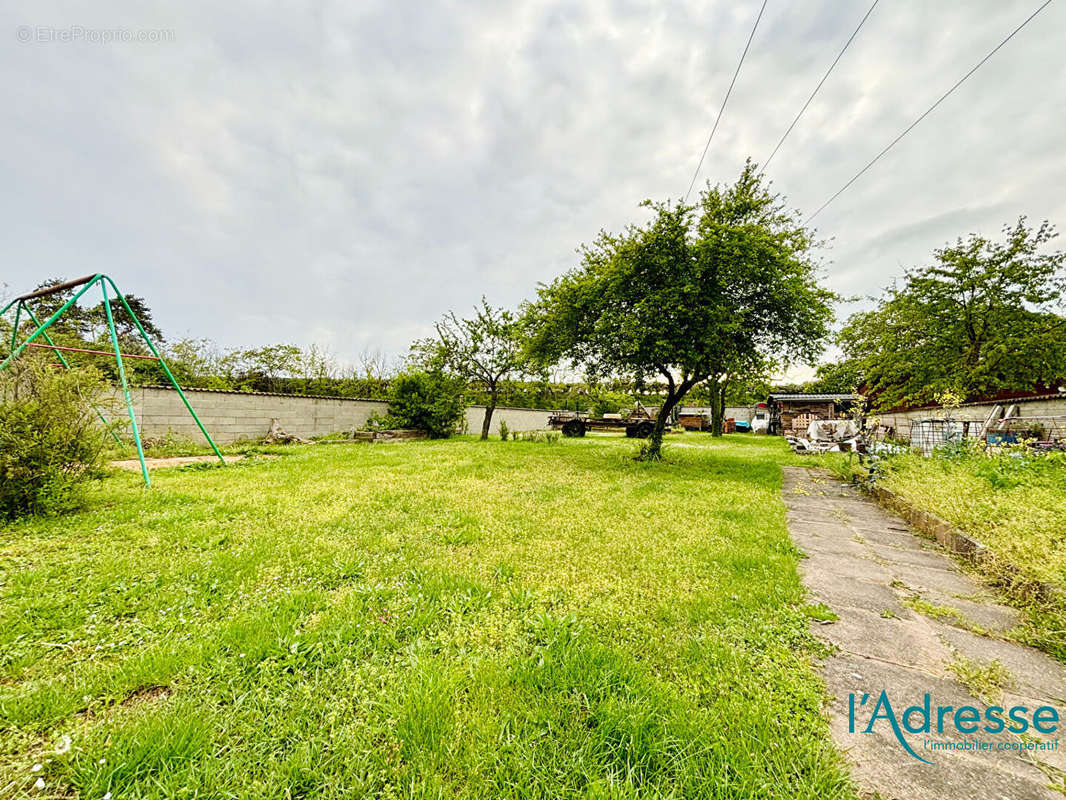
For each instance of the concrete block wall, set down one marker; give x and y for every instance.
(973, 412)
(517, 419)
(234, 416)
(738, 413)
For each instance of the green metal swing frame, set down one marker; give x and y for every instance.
(21, 306)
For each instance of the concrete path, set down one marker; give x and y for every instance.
(912, 623)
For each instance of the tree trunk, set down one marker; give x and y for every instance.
(491, 407)
(654, 450)
(718, 407)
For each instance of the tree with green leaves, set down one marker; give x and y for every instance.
(264, 368)
(485, 349)
(983, 318)
(840, 377)
(124, 324)
(89, 324)
(698, 292)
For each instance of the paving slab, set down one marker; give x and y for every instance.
(824, 544)
(855, 593)
(906, 642)
(946, 580)
(910, 557)
(881, 766)
(1055, 759)
(1031, 671)
(859, 566)
(886, 538)
(986, 614)
(864, 565)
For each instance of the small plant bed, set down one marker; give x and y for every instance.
(171, 461)
(397, 435)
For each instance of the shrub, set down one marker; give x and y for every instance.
(426, 401)
(504, 431)
(51, 440)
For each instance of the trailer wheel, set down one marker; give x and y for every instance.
(574, 427)
(640, 430)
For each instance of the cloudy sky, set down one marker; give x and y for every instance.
(343, 173)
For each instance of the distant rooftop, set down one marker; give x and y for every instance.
(852, 397)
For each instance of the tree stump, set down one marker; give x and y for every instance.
(277, 435)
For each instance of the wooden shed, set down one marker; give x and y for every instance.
(794, 412)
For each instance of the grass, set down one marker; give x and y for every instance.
(986, 680)
(820, 612)
(947, 614)
(431, 619)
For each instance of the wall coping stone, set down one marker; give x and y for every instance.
(316, 397)
(256, 394)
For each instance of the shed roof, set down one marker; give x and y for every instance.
(815, 397)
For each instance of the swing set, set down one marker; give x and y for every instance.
(21, 306)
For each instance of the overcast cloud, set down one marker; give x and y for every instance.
(344, 173)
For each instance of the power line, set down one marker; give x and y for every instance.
(927, 112)
(819, 86)
(728, 92)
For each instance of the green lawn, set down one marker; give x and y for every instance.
(434, 619)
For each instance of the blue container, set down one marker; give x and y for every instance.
(1001, 437)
